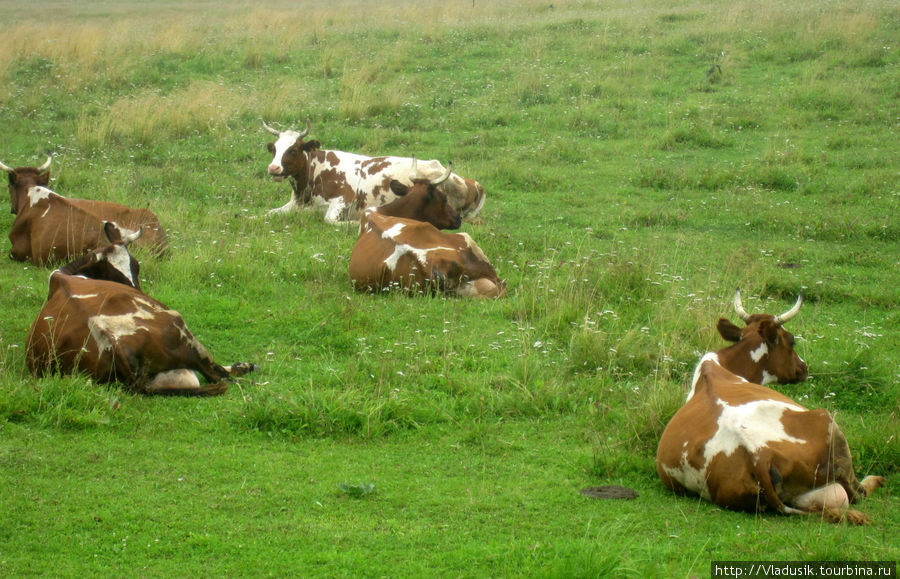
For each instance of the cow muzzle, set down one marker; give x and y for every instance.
(276, 172)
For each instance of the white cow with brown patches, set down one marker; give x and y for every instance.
(747, 447)
(98, 322)
(344, 184)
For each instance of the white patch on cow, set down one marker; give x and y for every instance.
(83, 296)
(393, 231)
(37, 194)
(105, 330)
(121, 260)
(768, 378)
(709, 356)
(335, 210)
(757, 354)
(402, 249)
(174, 380)
(285, 141)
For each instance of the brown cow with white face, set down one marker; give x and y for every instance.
(415, 257)
(98, 322)
(746, 447)
(49, 227)
(346, 183)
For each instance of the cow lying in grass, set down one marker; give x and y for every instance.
(345, 184)
(98, 322)
(744, 446)
(50, 228)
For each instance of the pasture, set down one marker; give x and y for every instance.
(641, 161)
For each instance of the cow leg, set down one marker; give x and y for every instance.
(240, 368)
(286, 208)
(183, 383)
(335, 211)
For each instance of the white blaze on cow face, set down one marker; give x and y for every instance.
(120, 259)
(285, 141)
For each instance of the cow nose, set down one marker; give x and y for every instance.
(274, 169)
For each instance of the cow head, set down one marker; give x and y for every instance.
(763, 351)
(110, 263)
(291, 154)
(22, 179)
(423, 201)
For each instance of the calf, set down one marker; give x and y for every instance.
(744, 446)
(346, 183)
(49, 227)
(98, 322)
(414, 256)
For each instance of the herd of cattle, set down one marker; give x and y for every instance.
(735, 442)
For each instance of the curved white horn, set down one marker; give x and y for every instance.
(306, 132)
(739, 306)
(46, 164)
(414, 171)
(129, 239)
(445, 176)
(270, 129)
(791, 312)
(7, 169)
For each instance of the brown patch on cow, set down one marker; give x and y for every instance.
(332, 159)
(609, 492)
(375, 165)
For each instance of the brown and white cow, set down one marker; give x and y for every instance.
(98, 322)
(346, 183)
(49, 227)
(423, 201)
(744, 446)
(415, 257)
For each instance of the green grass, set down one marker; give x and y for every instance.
(629, 193)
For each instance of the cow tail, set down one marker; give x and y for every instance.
(768, 481)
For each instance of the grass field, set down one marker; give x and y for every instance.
(641, 161)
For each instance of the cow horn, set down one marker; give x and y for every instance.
(129, 239)
(7, 169)
(270, 129)
(46, 164)
(414, 172)
(306, 132)
(791, 312)
(739, 306)
(445, 176)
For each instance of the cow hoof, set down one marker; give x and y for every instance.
(856, 518)
(242, 368)
(871, 482)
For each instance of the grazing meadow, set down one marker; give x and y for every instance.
(641, 160)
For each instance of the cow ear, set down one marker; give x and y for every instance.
(728, 330)
(271, 147)
(399, 188)
(111, 231)
(311, 146)
(769, 331)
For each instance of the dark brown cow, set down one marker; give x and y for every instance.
(744, 446)
(415, 257)
(50, 228)
(423, 201)
(98, 322)
(346, 183)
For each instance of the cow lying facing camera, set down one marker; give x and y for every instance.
(344, 184)
(746, 447)
(50, 228)
(98, 322)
